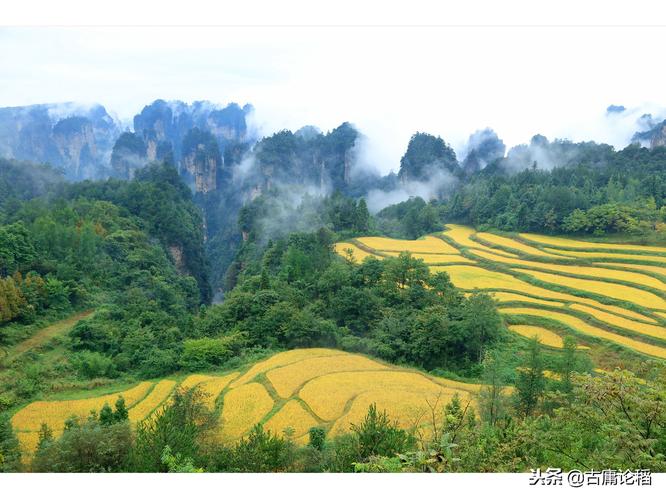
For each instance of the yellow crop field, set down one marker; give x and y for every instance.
(514, 297)
(640, 267)
(28, 442)
(289, 378)
(359, 254)
(594, 272)
(54, 413)
(620, 292)
(281, 359)
(461, 235)
(545, 336)
(291, 415)
(607, 255)
(555, 241)
(157, 396)
(214, 386)
(435, 258)
(313, 386)
(427, 244)
(471, 277)
(328, 395)
(512, 244)
(411, 410)
(628, 324)
(243, 407)
(621, 311)
(586, 328)
(193, 381)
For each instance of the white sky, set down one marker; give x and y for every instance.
(389, 82)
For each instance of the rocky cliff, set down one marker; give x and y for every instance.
(76, 139)
(201, 160)
(85, 142)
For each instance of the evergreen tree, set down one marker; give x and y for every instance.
(530, 383)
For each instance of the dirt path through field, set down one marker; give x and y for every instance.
(45, 334)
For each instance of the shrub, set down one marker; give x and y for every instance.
(93, 364)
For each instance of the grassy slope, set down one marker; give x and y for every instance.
(42, 336)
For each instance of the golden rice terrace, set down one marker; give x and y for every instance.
(289, 392)
(550, 286)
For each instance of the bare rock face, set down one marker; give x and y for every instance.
(75, 141)
(75, 138)
(201, 166)
(129, 154)
(176, 252)
(201, 160)
(659, 137)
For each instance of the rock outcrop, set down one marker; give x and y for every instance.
(201, 160)
(128, 155)
(74, 138)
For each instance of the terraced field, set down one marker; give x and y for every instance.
(288, 392)
(553, 286)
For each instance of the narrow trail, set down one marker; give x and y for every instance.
(45, 334)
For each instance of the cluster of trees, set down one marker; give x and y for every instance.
(410, 219)
(109, 246)
(297, 293)
(427, 155)
(601, 192)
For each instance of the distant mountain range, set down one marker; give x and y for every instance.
(86, 142)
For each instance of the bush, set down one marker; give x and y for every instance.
(199, 354)
(93, 364)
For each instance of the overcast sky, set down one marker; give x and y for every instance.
(389, 82)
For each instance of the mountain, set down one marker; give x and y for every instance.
(74, 138)
(86, 142)
(195, 137)
(654, 137)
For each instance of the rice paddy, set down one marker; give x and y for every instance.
(501, 241)
(145, 407)
(461, 235)
(555, 241)
(628, 324)
(243, 408)
(288, 393)
(592, 280)
(516, 297)
(291, 416)
(640, 267)
(435, 258)
(288, 378)
(612, 290)
(545, 336)
(213, 387)
(603, 256)
(54, 413)
(586, 271)
(581, 326)
(427, 244)
(358, 254)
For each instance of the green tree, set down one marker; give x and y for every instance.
(530, 383)
(493, 401)
(378, 436)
